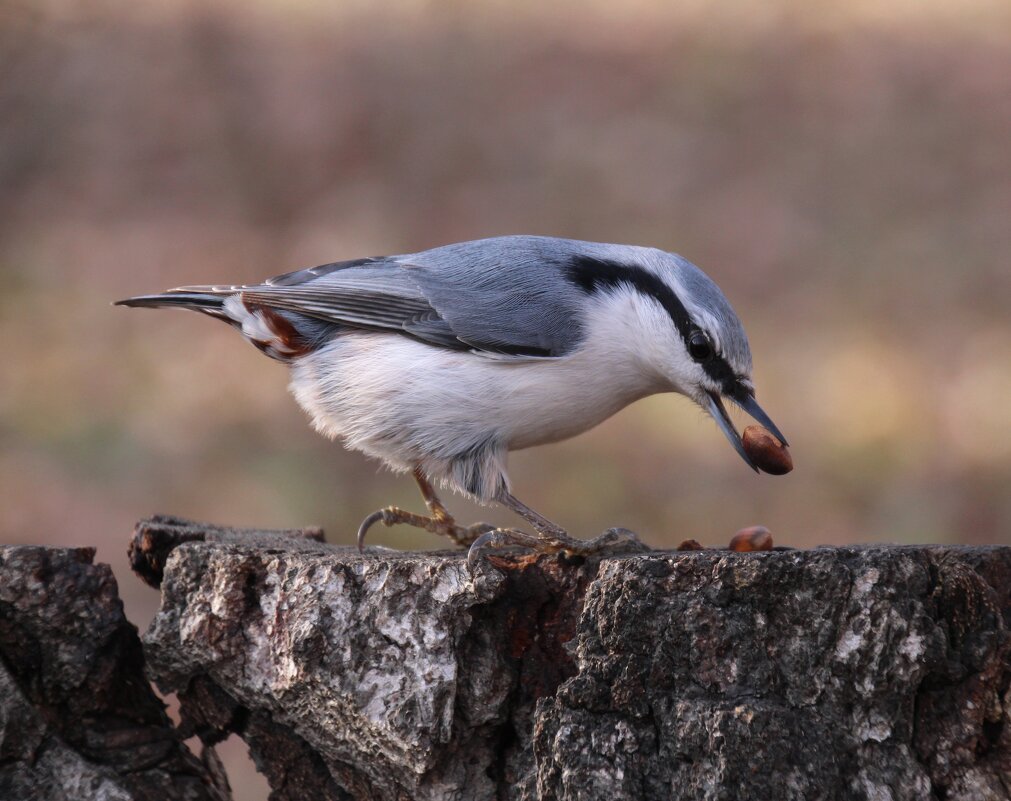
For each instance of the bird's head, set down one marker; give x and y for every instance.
(695, 340)
(711, 361)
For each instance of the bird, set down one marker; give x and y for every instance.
(441, 362)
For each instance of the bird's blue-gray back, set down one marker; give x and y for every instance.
(511, 295)
(507, 295)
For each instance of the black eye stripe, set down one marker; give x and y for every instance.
(592, 275)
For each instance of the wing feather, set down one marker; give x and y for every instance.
(504, 297)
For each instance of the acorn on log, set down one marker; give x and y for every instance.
(753, 538)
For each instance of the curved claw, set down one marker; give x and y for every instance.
(486, 540)
(369, 522)
(469, 535)
(500, 538)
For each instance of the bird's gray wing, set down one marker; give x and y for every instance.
(370, 294)
(506, 297)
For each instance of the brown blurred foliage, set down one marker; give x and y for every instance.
(843, 171)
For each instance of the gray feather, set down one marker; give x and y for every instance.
(507, 296)
(705, 293)
(504, 296)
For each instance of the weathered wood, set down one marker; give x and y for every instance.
(78, 719)
(837, 673)
(154, 538)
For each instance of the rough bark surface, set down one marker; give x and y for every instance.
(78, 719)
(876, 673)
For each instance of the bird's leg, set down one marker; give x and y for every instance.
(550, 538)
(547, 529)
(461, 535)
(440, 521)
(438, 509)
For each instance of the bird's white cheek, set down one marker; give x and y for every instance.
(685, 375)
(624, 326)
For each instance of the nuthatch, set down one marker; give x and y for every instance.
(441, 362)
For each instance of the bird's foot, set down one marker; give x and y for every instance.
(556, 540)
(441, 524)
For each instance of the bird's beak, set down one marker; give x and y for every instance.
(747, 402)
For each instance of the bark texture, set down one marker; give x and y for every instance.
(78, 719)
(878, 673)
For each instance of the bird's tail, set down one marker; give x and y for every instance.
(279, 334)
(209, 300)
(187, 299)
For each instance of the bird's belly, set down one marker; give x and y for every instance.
(558, 413)
(400, 399)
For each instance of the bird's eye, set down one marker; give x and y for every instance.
(699, 347)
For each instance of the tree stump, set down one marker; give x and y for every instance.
(78, 719)
(871, 673)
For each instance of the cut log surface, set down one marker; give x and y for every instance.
(78, 719)
(873, 673)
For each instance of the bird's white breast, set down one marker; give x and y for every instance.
(404, 401)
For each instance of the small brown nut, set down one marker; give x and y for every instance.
(768, 453)
(691, 545)
(753, 538)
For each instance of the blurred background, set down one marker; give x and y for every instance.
(842, 170)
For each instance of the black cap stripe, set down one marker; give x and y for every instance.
(592, 275)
